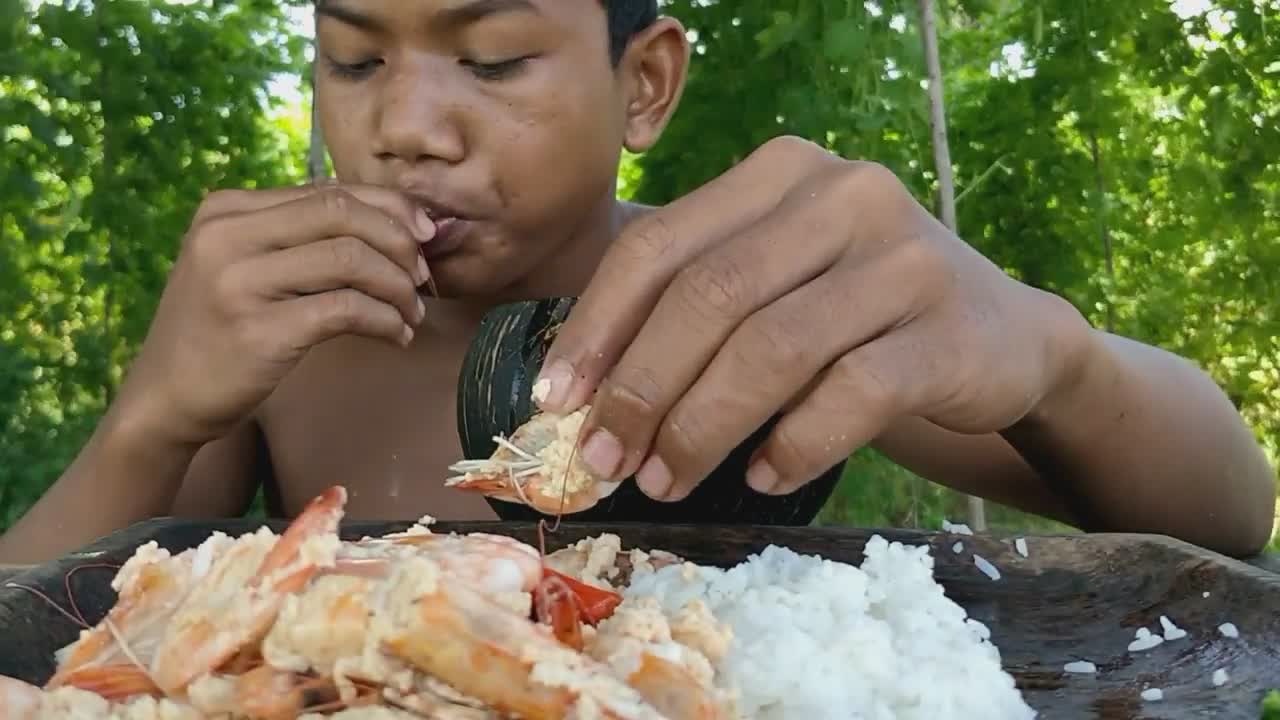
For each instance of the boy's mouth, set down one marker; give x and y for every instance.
(451, 226)
(449, 236)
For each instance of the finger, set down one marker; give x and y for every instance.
(393, 202)
(327, 213)
(333, 264)
(855, 401)
(309, 320)
(762, 367)
(650, 251)
(699, 311)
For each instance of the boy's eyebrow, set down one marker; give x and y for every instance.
(463, 14)
(470, 12)
(350, 16)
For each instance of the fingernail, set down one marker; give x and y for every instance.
(406, 336)
(762, 477)
(654, 478)
(602, 453)
(552, 388)
(422, 309)
(426, 228)
(424, 272)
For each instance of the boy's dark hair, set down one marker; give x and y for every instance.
(626, 18)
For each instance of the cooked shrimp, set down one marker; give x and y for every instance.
(18, 700)
(235, 604)
(669, 666)
(149, 586)
(537, 466)
(494, 563)
(455, 633)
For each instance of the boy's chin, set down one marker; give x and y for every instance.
(470, 277)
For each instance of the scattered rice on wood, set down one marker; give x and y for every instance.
(986, 567)
(958, 547)
(1021, 546)
(1229, 630)
(1144, 639)
(1220, 677)
(1083, 667)
(1153, 694)
(1171, 631)
(957, 529)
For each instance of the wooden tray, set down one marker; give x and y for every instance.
(1075, 597)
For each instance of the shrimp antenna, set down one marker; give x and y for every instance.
(74, 614)
(50, 601)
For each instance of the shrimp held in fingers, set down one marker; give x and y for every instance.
(537, 466)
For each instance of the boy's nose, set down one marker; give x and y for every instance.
(419, 121)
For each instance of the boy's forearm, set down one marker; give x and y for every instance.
(1139, 439)
(124, 474)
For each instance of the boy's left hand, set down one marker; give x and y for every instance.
(802, 283)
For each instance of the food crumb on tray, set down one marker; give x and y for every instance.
(986, 567)
(1082, 667)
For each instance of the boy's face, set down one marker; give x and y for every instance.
(504, 114)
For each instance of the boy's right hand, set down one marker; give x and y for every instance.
(262, 277)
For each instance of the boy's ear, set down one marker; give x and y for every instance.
(655, 67)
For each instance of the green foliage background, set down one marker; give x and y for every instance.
(1122, 155)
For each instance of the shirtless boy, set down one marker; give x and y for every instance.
(291, 350)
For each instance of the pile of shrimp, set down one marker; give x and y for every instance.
(409, 625)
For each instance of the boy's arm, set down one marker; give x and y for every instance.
(124, 475)
(1138, 439)
(224, 475)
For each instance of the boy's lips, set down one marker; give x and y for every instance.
(451, 224)
(450, 232)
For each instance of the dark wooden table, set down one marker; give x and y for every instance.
(1269, 562)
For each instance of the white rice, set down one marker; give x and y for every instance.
(1021, 546)
(957, 529)
(1153, 694)
(1220, 677)
(1229, 630)
(1082, 667)
(818, 639)
(958, 547)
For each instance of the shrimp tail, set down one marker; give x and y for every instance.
(113, 682)
(321, 517)
(594, 604)
(555, 604)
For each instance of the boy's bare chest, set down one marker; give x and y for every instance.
(377, 420)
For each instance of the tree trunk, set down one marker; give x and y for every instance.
(942, 163)
(1104, 233)
(316, 168)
